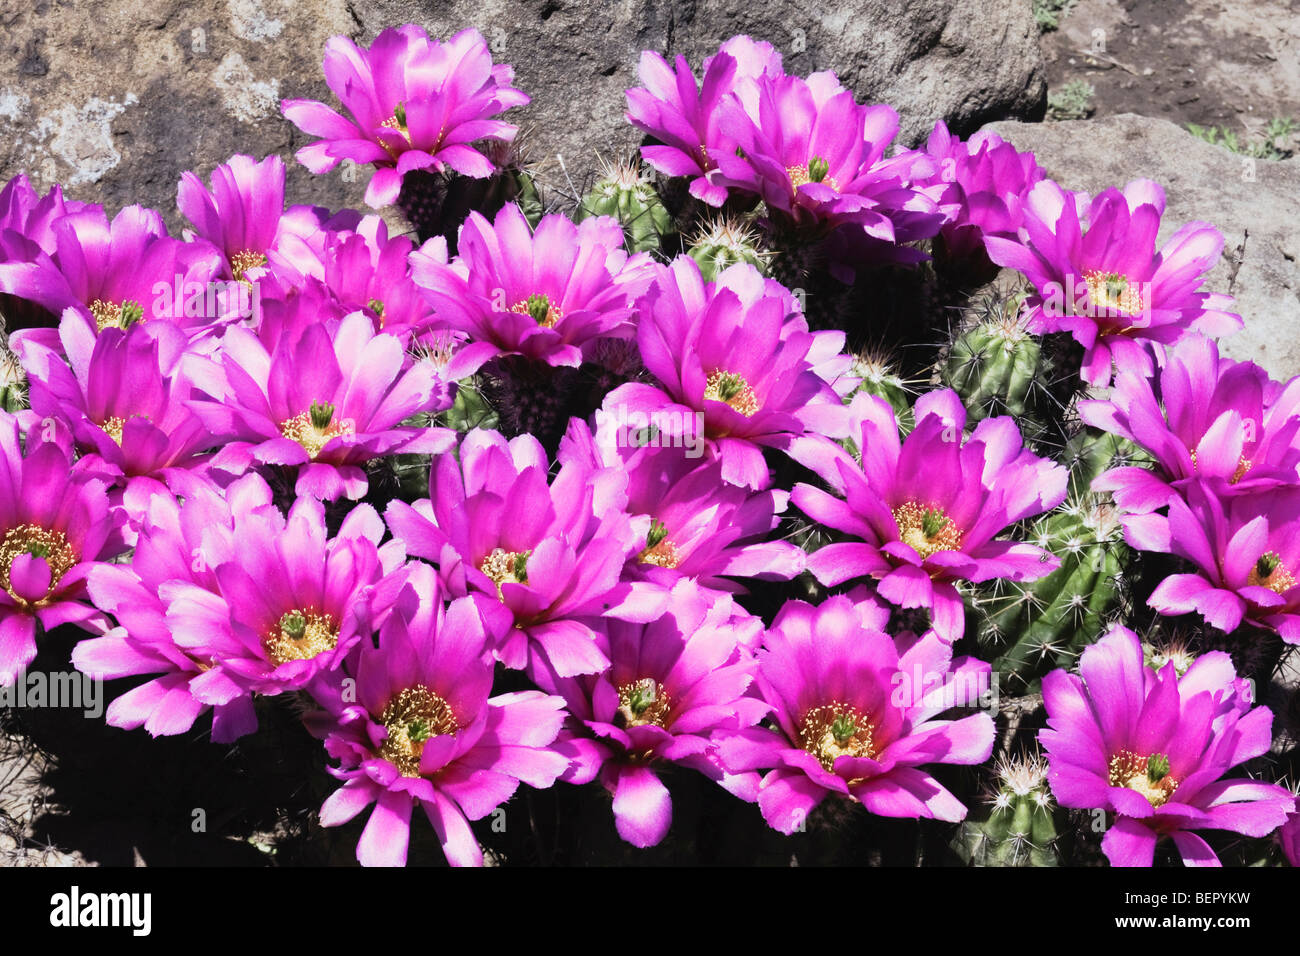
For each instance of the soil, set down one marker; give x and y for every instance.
(1222, 63)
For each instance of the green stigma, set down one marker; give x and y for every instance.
(1267, 564)
(642, 697)
(132, 312)
(399, 113)
(521, 566)
(932, 522)
(322, 413)
(1157, 767)
(376, 307)
(843, 727)
(658, 531)
(420, 730)
(729, 386)
(293, 625)
(817, 169)
(538, 306)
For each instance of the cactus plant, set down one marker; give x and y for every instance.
(1037, 626)
(627, 195)
(1017, 823)
(723, 242)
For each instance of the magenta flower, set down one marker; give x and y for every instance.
(324, 402)
(364, 268)
(736, 357)
(1152, 748)
(27, 240)
(1203, 418)
(55, 526)
(684, 115)
(114, 274)
(674, 690)
(415, 103)
(980, 186)
(817, 159)
(1289, 835)
(1246, 555)
(925, 511)
(695, 524)
(423, 731)
(541, 559)
(1099, 277)
(855, 710)
(549, 295)
(174, 545)
(243, 215)
(269, 602)
(126, 395)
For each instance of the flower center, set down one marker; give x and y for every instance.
(313, 429)
(1111, 292)
(643, 702)
(412, 718)
(814, 171)
(301, 635)
(241, 262)
(1149, 776)
(837, 730)
(658, 549)
(541, 310)
(503, 566)
(115, 315)
(397, 123)
(732, 389)
(1269, 572)
(52, 546)
(114, 426)
(926, 530)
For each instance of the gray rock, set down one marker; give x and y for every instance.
(966, 62)
(115, 99)
(1202, 182)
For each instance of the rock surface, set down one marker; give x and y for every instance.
(116, 99)
(1252, 201)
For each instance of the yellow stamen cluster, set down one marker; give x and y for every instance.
(32, 539)
(926, 530)
(502, 566)
(301, 636)
(116, 315)
(664, 554)
(799, 176)
(305, 432)
(643, 702)
(241, 262)
(1112, 292)
(551, 317)
(413, 717)
(1269, 572)
(1134, 771)
(837, 730)
(114, 426)
(732, 389)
